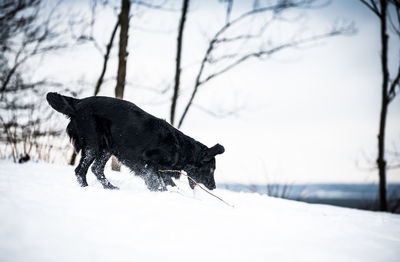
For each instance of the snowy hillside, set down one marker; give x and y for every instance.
(46, 216)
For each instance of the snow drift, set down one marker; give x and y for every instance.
(46, 216)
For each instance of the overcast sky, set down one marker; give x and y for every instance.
(304, 115)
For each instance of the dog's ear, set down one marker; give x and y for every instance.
(216, 150)
(213, 151)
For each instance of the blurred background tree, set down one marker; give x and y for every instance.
(388, 14)
(27, 32)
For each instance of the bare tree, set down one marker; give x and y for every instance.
(215, 57)
(185, 6)
(389, 87)
(121, 23)
(88, 36)
(19, 20)
(25, 33)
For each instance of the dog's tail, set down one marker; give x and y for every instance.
(62, 104)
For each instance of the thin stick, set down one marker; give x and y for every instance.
(197, 184)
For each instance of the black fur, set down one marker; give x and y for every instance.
(104, 126)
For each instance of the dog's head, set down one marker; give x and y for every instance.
(203, 172)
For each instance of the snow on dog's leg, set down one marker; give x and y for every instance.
(167, 178)
(87, 159)
(98, 170)
(153, 180)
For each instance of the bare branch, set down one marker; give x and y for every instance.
(372, 6)
(264, 53)
(106, 57)
(229, 5)
(394, 27)
(219, 114)
(36, 39)
(275, 8)
(218, 40)
(394, 84)
(236, 38)
(160, 6)
(197, 184)
(259, 54)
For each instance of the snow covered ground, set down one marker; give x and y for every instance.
(46, 216)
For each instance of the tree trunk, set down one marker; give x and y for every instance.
(381, 160)
(185, 6)
(115, 165)
(122, 55)
(384, 108)
(73, 158)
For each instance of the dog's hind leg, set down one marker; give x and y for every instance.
(167, 178)
(98, 170)
(87, 159)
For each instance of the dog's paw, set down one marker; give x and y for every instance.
(110, 186)
(82, 182)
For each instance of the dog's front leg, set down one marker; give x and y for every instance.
(87, 159)
(153, 181)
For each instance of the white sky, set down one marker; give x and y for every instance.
(307, 115)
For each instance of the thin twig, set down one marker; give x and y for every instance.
(197, 184)
(106, 57)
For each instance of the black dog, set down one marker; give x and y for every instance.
(105, 126)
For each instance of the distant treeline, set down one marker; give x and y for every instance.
(360, 196)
